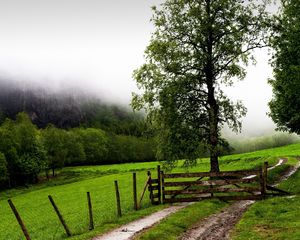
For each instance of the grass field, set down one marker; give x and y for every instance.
(69, 192)
(275, 218)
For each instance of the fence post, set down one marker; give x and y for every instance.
(159, 184)
(265, 175)
(118, 199)
(135, 204)
(19, 219)
(91, 224)
(162, 186)
(150, 187)
(262, 183)
(60, 216)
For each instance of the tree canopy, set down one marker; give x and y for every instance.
(285, 105)
(198, 46)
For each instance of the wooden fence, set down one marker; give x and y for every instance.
(191, 187)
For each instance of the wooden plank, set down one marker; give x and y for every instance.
(187, 187)
(155, 187)
(150, 187)
(154, 181)
(209, 182)
(271, 188)
(211, 190)
(212, 174)
(144, 190)
(223, 198)
(19, 219)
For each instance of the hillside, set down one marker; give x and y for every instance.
(66, 109)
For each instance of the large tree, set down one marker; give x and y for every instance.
(285, 105)
(198, 47)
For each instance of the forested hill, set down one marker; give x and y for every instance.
(66, 110)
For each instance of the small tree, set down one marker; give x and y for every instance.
(3, 169)
(75, 150)
(285, 105)
(53, 141)
(198, 47)
(31, 154)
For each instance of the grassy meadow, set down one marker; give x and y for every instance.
(69, 192)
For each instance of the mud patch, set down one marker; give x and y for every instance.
(218, 225)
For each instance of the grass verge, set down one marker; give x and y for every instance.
(171, 227)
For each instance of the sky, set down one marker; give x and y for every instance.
(95, 45)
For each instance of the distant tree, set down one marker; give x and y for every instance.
(4, 175)
(54, 143)
(24, 153)
(75, 151)
(8, 146)
(31, 154)
(285, 105)
(94, 142)
(198, 47)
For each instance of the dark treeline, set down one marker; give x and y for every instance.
(27, 151)
(67, 109)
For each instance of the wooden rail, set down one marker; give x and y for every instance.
(228, 185)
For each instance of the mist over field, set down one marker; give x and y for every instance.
(91, 48)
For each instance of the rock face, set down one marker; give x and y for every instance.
(64, 108)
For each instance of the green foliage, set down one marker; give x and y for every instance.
(54, 144)
(23, 150)
(3, 169)
(29, 151)
(285, 105)
(74, 147)
(131, 149)
(94, 143)
(197, 47)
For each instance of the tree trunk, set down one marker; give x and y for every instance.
(213, 133)
(53, 172)
(213, 110)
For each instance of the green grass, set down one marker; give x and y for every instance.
(173, 226)
(274, 218)
(69, 192)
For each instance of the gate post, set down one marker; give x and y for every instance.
(162, 186)
(159, 184)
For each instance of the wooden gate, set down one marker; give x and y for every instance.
(226, 185)
(230, 185)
